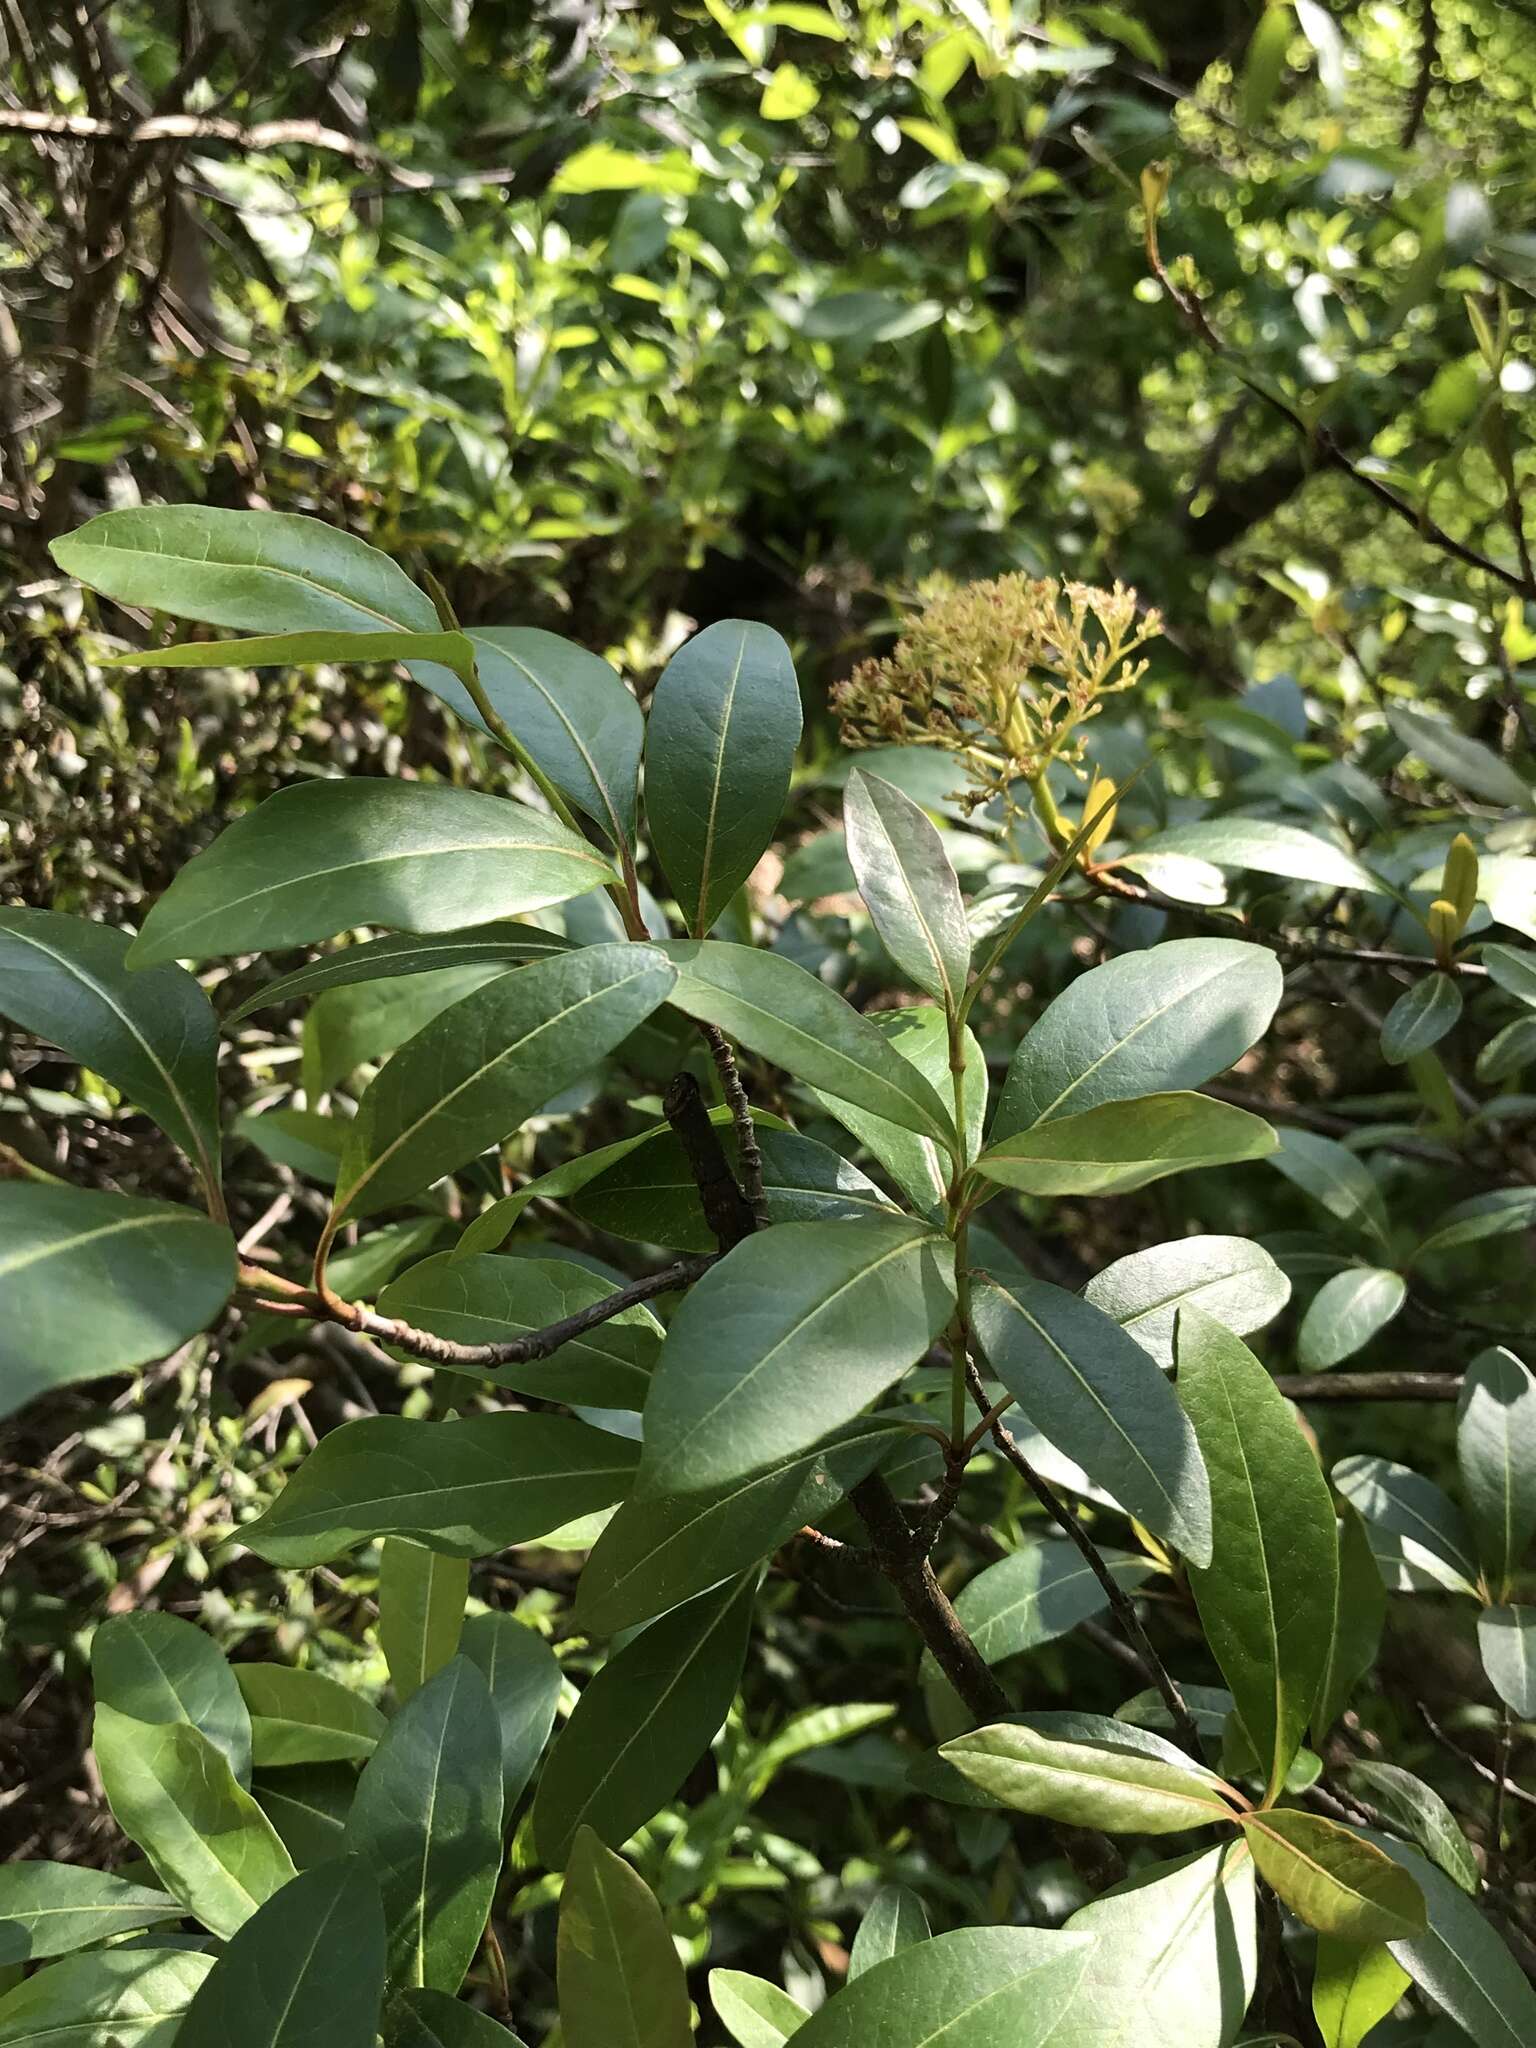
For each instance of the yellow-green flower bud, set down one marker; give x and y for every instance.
(1444, 926)
(1458, 885)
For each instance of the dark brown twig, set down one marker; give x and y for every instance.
(747, 1150)
(725, 1206)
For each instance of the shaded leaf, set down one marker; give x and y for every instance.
(1461, 1962)
(920, 1166)
(620, 1982)
(1264, 846)
(1121, 1146)
(1425, 1533)
(1347, 1311)
(896, 1919)
(754, 2013)
(117, 1998)
(908, 886)
(402, 955)
(1462, 762)
(421, 1611)
(1420, 1017)
(1333, 1878)
(1419, 1812)
(1506, 1639)
(300, 1717)
(1085, 1784)
(1496, 1454)
(159, 1668)
(1359, 1614)
(1333, 1177)
(524, 1680)
(990, 1987)
(1354, 1985)
(47, 1909)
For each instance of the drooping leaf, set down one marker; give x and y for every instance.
(47, 1909)
(791, 1335)
(96, 1283)
(301, 1717)
(1096, 1395)
(524, 1680)
(1085, 1784)
(909, 887)
(1120, 1146)
(1464, 763)
(1460, 1961)
(1417, 1811)
(1347, 1311)
(403, 955)
(754, 2013)
(1417, 1532)
(896, 1919)
(920, 1166)
(321, 857)
(989, 1987)
(308, 1967)
(421, 1611)
(1420, 1017)
(1354, 1984)
(1333, 1177)
(151, 1034)
(720, 742)
(1229, 1278)
(1500, 1213)
(159, 1668)
(1144, 1023)
(116, 1998)
(1333, 1878)
(477, 1071)
(1266, 1597)
(1506, 1640)
(426, 1822)
(468, 1487)
(1496, 1454)
(620, 1982)
(644, 1721)
(422, 2018)
(1359, 1614)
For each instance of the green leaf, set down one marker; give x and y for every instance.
(524, 1680)
(753, 2012)
(660, 1549)
(256, 572)
(1121, 1146)
(97, 1283)
(920, 1167)
(1096, 1395)
(1266, 1597)
(1514, 971)
(1508, 1051)
(1499, 1213)
(1085, 1784)
(1417, 1810)
(320, 857)
(1461, 1962)
(1332, 1878)
(298, 1138)
(1462, 762)
(427, 1822)
(151, 1034)
(1229, 1278)
(299, 1717)
(173, 1793)
(795, 1331)
(1265, 847)
(308, 1967)
(420, 2018)
(157, 1667)
(1165, 1019)
(467, 1488)
(643, 1722)
(304, 650)
(1496, 1453)
(909, 887)
(308, 1805)
(720, 742)
(1425, 1537)
(896, 1920)
(47, 1909)
(1420, 1017)
(1354, 1985)
(1347, 1311)
(1506, 1638)
(1176, 1959)
(1335, 1178)
(566, 706)
(620, 1982)
(402, 955)
(1264, 64)
(421, 1611)
(346, 1026)
(477, 1071)
(1359, 1614)
(988, 1987)
(117, 1998)
(782, 1013)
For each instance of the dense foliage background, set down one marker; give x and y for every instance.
(619, 322)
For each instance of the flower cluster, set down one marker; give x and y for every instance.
(1000, 674)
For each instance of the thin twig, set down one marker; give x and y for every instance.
(1369, 1386)
(725, 1206)
(1513, 1789)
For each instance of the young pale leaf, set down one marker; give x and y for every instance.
(299, 1717)
(1460, 1961)
(151, 1034)
(795, 1331)
(1420, 1017)
(96, 1283)
(1266, 1596)
(1177, 1956)
(47, 1909)
(620, 1982)
(755, 2013)
(1416, 1810)
(421, 2018)
(988, 1987)
(920, 1167)
(720, 742)
(1335, 1178)
(159, 1668)
(427, 1823)
(1359, 1614)
(524, 1680)
(643, 1722)
(660, 1549)
(174, 1794)
(320, 857)
(1265, 847)
(421, 1611)
(1417, 1533)
(909, 887)
(403, 955)
(485, 1300)
(1332, 1878)
(776, 1009)
(1347, 1311)
(1506, 1639)
(117, 1998)
(1462, 762)
(1354, 1985)
(1121, 1146)
(307, 1968)
(1165, 1019)
(1097, 1396)
(256, 572)
(896, 1920)
(1229, 1278)
(475, 1073)
(1496, 1451)
(468, 1488)
(1085, 1784)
